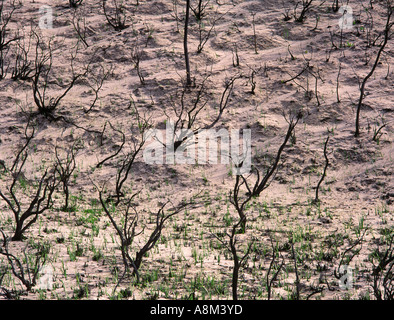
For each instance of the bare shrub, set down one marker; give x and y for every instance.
(5, 39)
(188, 105)
(79, 24)
(26, 269)
(383, 270)
(65, 168)
(126, 229)
(386, 32)
(26, 210)
(306, 6)
(41, 78)
(240, 202)
(23, 66)
(116, 15)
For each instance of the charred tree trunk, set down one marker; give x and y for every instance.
(188, 77)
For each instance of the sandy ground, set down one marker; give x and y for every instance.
(189, 261)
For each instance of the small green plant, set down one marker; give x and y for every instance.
(75, 252)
